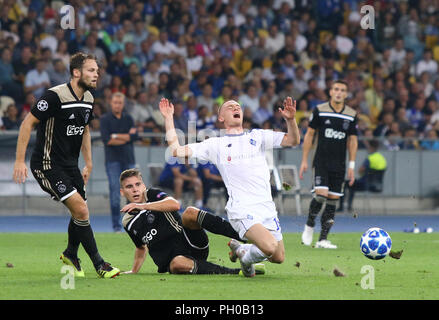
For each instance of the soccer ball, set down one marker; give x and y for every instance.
(375, 243)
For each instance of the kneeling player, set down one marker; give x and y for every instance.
(177, 244)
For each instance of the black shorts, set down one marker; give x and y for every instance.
(189, 243)
(333, 181)
(60, 183)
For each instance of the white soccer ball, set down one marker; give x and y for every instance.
(375, 243)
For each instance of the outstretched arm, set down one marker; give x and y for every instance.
(20, 169)
(167, 111)
(139, 258)
(292, 137)
(167, 204)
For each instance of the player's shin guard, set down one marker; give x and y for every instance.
(205, 267)
(85, 235)
(314, 209)
(73, 240)
(217, 225)
(327, 220)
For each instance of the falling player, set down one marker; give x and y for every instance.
(240, 159)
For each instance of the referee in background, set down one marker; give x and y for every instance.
(61, 117)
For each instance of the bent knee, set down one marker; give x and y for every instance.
(180, 265)
(189, 217)
(278, 258)
(270, 248)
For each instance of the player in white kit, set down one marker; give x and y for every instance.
(240, 159)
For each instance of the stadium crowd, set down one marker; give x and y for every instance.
(199, 53)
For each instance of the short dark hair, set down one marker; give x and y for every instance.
(134, 172)
(78, 59)
(340, 82)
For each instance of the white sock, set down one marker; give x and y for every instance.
(253, 255)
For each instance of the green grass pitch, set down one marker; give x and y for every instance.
(307, 273)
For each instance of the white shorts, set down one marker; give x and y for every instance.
(263, 213)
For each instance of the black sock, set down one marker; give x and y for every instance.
(205, 267)
(217, 225)
(314, 209)
(73, 241)
(85, 234)
(327, 219)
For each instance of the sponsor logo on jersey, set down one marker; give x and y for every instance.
(42, 105)
(73, 130)
(149, 235)
(334, 134)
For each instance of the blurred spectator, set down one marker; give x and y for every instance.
(343, 43)
(24, 64)
(59, 74)
(211, 179)
(275, 40)
(427, 64)
(410, 142)
(264, 112)
(8, 84)
(11, 120)
(91, 47)
(415, 114)
(431, 141)
(250, 99)
(118, 133)
(384, 125)
(181, 176)
(180, 118)
(37, 80)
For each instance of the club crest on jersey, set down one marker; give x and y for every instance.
(61, 187)
(42, 105)
(150, 218)
(345, 125)
(318, 180)
(87, 115)
(252, 142)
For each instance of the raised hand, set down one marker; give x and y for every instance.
(289, 110)
(166, 108)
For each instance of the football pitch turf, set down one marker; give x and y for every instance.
(30, 269)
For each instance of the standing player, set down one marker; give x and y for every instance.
(336, 127)
(62, 116)
(177, 244)
(240, 158)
